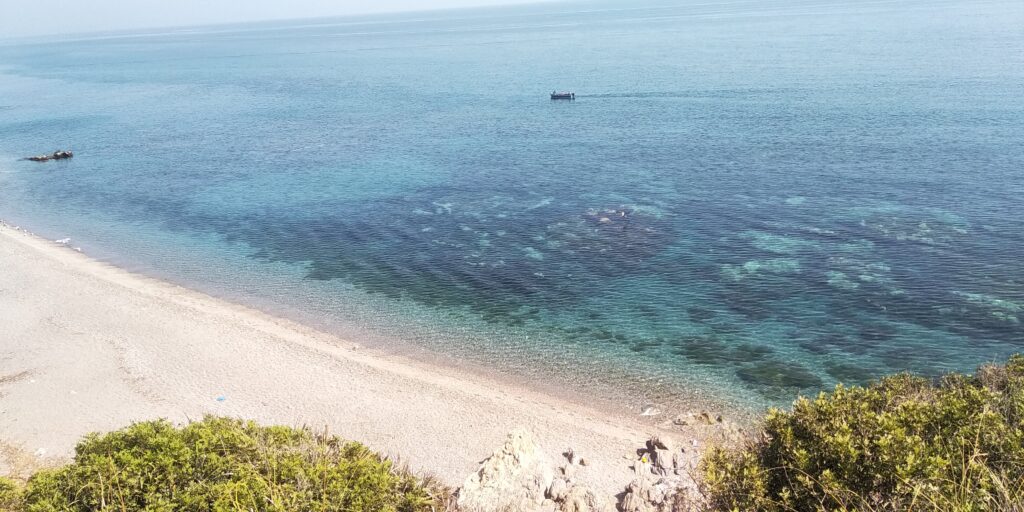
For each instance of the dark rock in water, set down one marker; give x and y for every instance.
(829, 342)
(703, 350)
(649, 311)
(698, 314)
(643, 346)
(815, 346)
(878, 332)
(778, 374)
(57, 155)
(986, 314)
(711, 351)
(752, 302)
(748, 352)
(849, 373)
(922, 360)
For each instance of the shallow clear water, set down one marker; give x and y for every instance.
(747, 199)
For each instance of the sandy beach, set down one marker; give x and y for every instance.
(85, 347)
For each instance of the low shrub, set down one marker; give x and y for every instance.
(10, 495)
(902, 443)
(222, 464)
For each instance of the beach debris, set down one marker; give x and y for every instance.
(221, 398)
(650, 410)
(56, 155)
(41, 452)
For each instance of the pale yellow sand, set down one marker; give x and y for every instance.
(88, 347)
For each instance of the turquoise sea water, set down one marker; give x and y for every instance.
(747, 200)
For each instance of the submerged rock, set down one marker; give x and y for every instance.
(987, 309)
(754, 268)
(849, 373)
(922, 226)
(778, 244)
(779, 374)
(710, 350)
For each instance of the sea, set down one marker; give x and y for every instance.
(748, 200)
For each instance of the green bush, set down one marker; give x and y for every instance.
(10, 495)
(223, 464)
(903, 443)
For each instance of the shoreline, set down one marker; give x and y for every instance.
(94, 347)
(620, 387)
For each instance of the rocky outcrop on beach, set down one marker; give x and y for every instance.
(520, 476)
(662, 479)
(515, 477)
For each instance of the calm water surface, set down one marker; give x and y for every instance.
(747, 200)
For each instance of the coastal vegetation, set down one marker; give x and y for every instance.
(221, 464)
(902, 443)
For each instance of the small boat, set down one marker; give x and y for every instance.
(555, 95)
(57, 155)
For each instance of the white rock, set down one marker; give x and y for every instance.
(650, 410)
(558, 489)
(581, 499)
(633, 503)
(516, 477)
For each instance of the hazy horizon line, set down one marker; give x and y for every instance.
(158, 29)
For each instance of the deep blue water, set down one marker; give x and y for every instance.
(747, 199)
